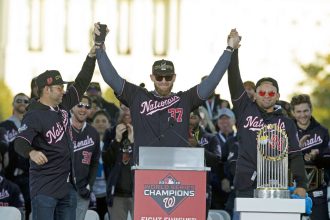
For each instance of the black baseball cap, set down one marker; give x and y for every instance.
(94, 86)
(49, 78)
(163, 67)
(267, 79)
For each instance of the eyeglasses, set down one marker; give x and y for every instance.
(263, 93)
(20, 101)
(167, 78)
(82, 105)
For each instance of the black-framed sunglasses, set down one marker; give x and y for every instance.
(167, 78)
(83, 105)
(20, 101)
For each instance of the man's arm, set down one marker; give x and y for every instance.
(208, 85)
(108, 72)
(94, 163)
(23, 148)
(297, 167)
(86, 73)
(234, 78)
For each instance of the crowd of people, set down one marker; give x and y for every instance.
(67, 150)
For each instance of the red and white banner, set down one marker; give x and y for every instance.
(170, 195)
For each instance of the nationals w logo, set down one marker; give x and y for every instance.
(169, 193)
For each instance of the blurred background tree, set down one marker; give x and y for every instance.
(318, 79)
(5, 99)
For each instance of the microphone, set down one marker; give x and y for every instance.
(171, 122)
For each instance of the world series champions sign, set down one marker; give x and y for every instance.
(169, 193)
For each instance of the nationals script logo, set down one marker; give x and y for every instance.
(255, 123)
(56, 133)
(152, 106)
(169, 193)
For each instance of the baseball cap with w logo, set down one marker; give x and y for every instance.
(49, 78)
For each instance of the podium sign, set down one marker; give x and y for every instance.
(169, 194)
(172, 186)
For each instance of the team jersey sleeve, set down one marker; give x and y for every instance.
(129, 93)
(80, 84)
(292, 137)
(193, 98)
(30, 128)
(238, 95)
(17, 197)
(94, 161)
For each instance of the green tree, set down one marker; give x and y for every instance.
(5, 100)
(318, 78)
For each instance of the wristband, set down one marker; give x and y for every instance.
(230, 49)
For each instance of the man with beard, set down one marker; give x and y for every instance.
(45, 138)
(18, 167)
(86, 150)
(314, 139)
(161, 117)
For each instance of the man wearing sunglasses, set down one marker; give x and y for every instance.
(45, 138)
(161, 117)
(251, 117)
(18, 166)
(86, 150)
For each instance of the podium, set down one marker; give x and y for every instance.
(269, 209)
(170, 183)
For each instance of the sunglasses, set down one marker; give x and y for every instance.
(20, 101)
(82, 105)
(167, 78)
(270, 94)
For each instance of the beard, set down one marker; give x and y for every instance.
(164, 92)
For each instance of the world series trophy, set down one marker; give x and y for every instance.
(272, 163)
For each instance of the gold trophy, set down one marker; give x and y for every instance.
(272, 163)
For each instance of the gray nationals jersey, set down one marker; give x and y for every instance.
(160, 121)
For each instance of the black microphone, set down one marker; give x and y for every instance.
(162, 135)
(171, 122)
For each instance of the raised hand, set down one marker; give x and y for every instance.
(234, 39)
(97, 32)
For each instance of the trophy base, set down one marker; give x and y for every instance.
(272, 193)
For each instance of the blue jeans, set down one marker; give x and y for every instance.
(46, 207)
(82, 206)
